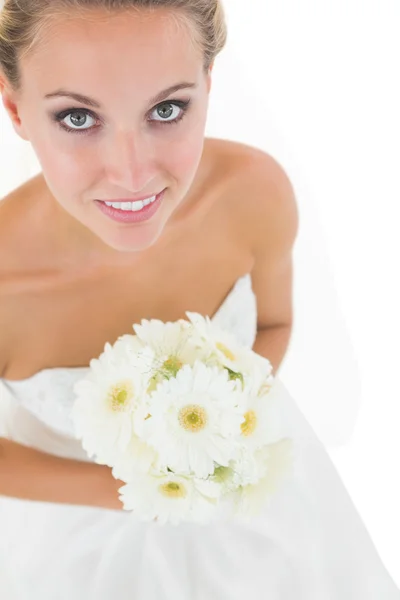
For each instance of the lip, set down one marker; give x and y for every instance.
(123, 216)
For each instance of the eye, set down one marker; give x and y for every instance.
(77, 120)
(175, 109)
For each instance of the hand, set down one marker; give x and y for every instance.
(110, 498)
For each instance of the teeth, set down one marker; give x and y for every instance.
(135, 206)
(132, 206)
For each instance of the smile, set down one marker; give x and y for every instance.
(125, 211)
(132, 206)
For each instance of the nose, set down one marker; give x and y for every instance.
(129, 163)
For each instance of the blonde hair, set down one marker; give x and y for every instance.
(23, 21)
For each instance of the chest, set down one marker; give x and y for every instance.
(67, 322)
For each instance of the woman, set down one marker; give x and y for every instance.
(130, 219)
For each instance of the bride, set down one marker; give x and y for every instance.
(135, 215)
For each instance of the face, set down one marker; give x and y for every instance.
(128, 139)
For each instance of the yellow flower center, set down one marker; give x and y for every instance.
(172, 489)
(193, 418)
(120, 396)
(171, 366)
(225, 351)
(250, 423)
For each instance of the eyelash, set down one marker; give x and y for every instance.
(59, 117)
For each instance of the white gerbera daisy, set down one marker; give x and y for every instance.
(172, 344)
(263, 422)
(194, 420)
(225, 350)
(107, 398)
(169, 498)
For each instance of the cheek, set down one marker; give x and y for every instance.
(184, 157)
(184, 152)
(183, 162)
(66, 170)
(66, 165)
(65, 175)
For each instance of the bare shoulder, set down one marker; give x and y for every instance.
(260, 200)
(16, 210)
(17, 232)
(20, 222)
(258, 195)
(233, 155)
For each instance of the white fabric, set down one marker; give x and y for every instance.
(310, 543)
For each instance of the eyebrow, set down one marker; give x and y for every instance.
(91, 102)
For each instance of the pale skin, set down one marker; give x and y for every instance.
(72, 279)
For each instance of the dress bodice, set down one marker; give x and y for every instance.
(48, 394)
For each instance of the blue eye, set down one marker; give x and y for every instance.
(183, 106)
(79, 116)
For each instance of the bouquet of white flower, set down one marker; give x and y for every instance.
(186, 416)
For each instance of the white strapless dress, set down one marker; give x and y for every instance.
(309, 545)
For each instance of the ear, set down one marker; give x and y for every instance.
(11, 104)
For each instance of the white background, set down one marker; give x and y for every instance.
(315, 84)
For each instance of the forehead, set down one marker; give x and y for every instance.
(129, 46)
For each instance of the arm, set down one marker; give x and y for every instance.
(273, 266)
(272, 222)
(273, 342)
(29, 474)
